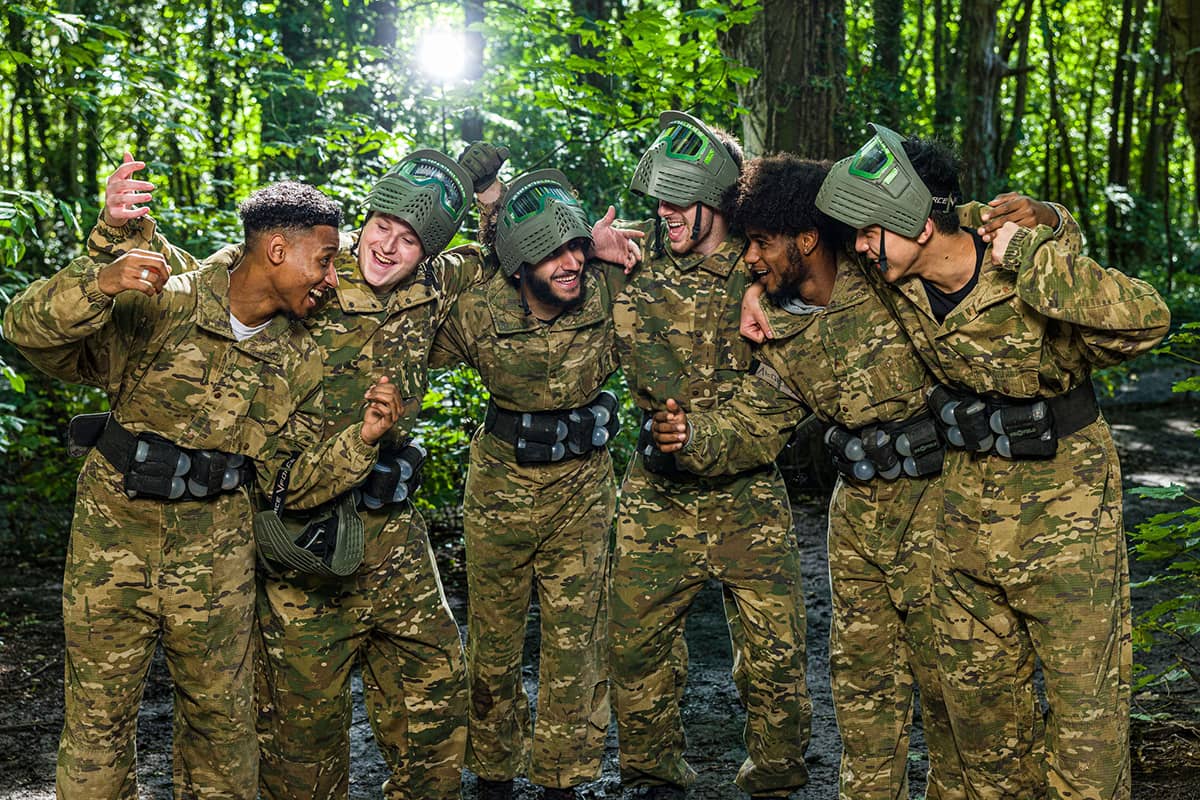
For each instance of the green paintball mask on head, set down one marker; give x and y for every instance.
(540, 214)
(429, 191)
(878, 186)
(686, 164)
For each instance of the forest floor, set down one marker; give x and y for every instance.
(1156, 446)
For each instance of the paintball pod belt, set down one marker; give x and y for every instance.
(545, 437)
(153, 466)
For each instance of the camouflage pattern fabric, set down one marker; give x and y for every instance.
(421, 684)
(1031, 559)
(851, 364)
(392, 619)
(545, 525)
(677, 324)
(143, 571)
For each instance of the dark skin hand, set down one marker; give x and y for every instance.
(382, 411)
(670, 428)
(137, 270)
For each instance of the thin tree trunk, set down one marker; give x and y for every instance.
(983, 71)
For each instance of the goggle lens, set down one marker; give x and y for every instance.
(423, 173)
(685, 142)
(872, 160)
(532, 199)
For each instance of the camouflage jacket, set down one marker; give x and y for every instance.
(677, 330)
(848, 362)
(1036, 324)
(171, 365)
(526, 364)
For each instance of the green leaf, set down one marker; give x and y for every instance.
(1171, 492)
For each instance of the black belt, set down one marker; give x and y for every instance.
(542, 437)
(156, 467)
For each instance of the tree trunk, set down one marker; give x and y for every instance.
(796, 102)
(983, 70)
(947, 78)
(1020, 39)
(885, 62)
(1183, 27)
(472, 119)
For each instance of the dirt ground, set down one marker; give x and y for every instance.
(1156, 447)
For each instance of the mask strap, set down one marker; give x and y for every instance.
(696, 226)
(882, 249)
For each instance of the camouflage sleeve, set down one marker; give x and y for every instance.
(613, 275)
(461, 268)
(323, 469)
(71, 330)
(1116, 316)
(450, 346)
(746, 432)
(647, 243)
(107, 243)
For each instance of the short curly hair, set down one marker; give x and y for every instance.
(938, 167)
(777, 194)
(287, 205)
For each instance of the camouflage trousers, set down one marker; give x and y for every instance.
(139, 573)
(392, 619)
(549, 526)
(1032, 562)
(672, 537)
(881, 638)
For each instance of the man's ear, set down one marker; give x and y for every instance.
(277, 247)
(927, 232)
(806, 241)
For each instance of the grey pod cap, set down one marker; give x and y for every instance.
(428, 190)
(878, 186)
(540, 214)
(686, 164)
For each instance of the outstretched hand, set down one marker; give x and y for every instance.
(754, 325)
(122, 194)
(382, 411)
(670, 428)
(1016, 208)
(139, 270)
(616, 245)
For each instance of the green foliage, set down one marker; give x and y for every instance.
(1171, 540)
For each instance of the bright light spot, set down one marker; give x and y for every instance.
(441, 54)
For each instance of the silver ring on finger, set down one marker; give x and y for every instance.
(145, 274)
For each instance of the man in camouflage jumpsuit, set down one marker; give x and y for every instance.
(540, 334)
(175, 357)
(1030, 559)
(677, 329)
(836, 350)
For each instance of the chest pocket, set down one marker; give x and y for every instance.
(269, 407)
(995, 345)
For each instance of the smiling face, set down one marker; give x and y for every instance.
(555, 284)
(388, 251)
(306, 272)
(777, 261)
(681, 221)
(900, 251)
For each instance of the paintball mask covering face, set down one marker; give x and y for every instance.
(540, 214)
(430, 192)
(878, 186)
(686, 164)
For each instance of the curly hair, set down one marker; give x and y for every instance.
(287, 205)
(777, 194)
(938, 166)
